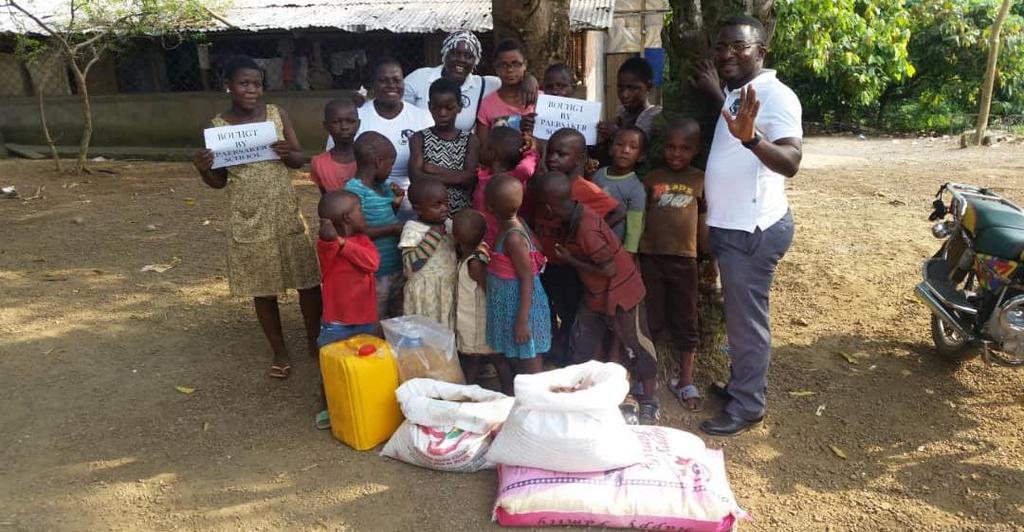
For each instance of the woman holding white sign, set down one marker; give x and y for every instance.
(269, 247)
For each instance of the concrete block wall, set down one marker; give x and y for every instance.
(172, 120)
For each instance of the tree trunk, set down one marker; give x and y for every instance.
(83, 94)
(688, 40)
(990, 74)
(46, 130)
(541, 25)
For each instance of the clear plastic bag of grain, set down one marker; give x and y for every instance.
(424, 349)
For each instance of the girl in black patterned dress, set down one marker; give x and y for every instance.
(445, 152)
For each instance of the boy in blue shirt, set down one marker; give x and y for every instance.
(375, 155)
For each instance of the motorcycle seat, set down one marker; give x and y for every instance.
(998, 228)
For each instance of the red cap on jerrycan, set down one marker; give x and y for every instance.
(367, 350)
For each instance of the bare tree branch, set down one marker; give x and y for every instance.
(219, 18)
(100, 33)
(46, 27)
(95, 59)
(103, 23)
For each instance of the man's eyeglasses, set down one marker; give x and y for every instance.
(736, 47)
(514, 65)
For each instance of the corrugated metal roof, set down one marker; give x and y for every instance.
(590, 14)
(398, 16)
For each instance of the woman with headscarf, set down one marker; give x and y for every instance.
(460, 54)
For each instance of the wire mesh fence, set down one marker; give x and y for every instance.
(307, 61)
(1009, 123)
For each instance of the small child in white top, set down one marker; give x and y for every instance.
(428, 254)
(468, 230)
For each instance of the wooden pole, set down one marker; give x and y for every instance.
(990, 74)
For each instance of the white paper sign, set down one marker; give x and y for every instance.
(555, 112)
(244, 143)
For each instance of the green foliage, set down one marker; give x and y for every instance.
(905, 65)
(29, 48)
(847, 52)
(83, 30)
(103, 24)
(951, 41)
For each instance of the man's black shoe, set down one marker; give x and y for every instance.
(726, 425)
(719, 390)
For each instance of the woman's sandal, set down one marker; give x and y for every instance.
(685, 393)
(280, 370)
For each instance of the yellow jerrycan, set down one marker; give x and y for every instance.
(360, 377)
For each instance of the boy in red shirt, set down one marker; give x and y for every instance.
(348, 262)
(567, 154)
(614, 291)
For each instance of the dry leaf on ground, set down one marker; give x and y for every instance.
(161, 268)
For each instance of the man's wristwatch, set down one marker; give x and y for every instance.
(752, 143)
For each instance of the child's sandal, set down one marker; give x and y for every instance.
(323, 420)
(280, 370)
(685, 393)
(649, 414)
(630, 411)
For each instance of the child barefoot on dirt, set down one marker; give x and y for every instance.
(614, 291)
(375, 155)
(428, 254)
(505, 152)
(669, 248)
(348, 264)
(471, 300)
(445, 152)
(518, 317)
(332, 169)
(269, 247)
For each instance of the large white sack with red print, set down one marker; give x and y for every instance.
(569, 420)
(448, 427)
(679, 485)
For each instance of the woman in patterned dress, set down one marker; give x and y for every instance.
(269, 247)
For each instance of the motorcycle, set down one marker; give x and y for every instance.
(974, 284)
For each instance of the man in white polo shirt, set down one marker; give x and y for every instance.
(757, 145)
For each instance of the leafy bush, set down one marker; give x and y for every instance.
(904, 65)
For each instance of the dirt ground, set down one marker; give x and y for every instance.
(95, 436)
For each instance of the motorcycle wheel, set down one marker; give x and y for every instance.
(949, 344)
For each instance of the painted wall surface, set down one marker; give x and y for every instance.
(167, 119)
